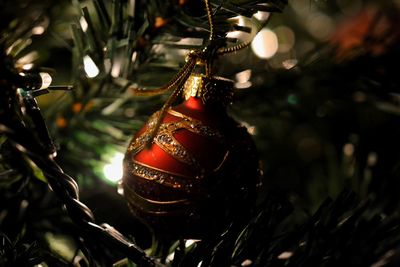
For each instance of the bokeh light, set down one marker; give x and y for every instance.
(46, 80)
(320, 26)
(83, 23)
(286, 38)
(113, 171)
(265, 44)
(90, 67)
(27, 66)
(38, 30)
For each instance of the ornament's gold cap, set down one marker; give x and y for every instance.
(209, 89)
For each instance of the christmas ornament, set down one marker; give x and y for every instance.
(199, 172)
(192, 170)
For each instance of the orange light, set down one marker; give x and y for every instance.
(61, 122)
(77, 107)
(159, 22)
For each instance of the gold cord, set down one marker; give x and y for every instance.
(232, 49)
(235, 48)
(177, 82)
(171, 84)
(179, 87)
(210, 19)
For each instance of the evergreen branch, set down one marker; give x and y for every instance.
(20, 136)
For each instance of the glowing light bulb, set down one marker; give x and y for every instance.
(265, 44)
(38, 30)
(285, 255)
(247, 262)
(113, 171)
(83, 23)
(243, 76)
(190, 242)
(27, 66)
(348, 149)
(242, 79)
(262, 15)
(90, 67)
(46, 80)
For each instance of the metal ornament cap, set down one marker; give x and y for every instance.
(211, 90)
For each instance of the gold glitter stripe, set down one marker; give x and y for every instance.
(151, 206)
(166, 141)
(139, 142)
(196, 126)
(162, 177)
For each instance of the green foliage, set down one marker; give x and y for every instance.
(17, 253)
(322, 126)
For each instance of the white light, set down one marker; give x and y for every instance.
(285, 255)
(46, 80)
(262, 15)
(348, 149)
(247, 262)
(190, 242)
(113, 170)
(134, 56)
(243, 76)
(170, 257)
(116, 69)
(28, 58)
(84, 24)
(265, 44)
(38, 30)
(244, 85)
(289, 63)
(242, 79)
(27, 66)
(120, 188)
(90, 67)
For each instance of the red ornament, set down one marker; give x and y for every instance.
(200, 170)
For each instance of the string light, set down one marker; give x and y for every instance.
(190, 242)
(46, 80)
(113, 171)
(262, 15)
(285, 255)
(28, 58)
(265, 44)
(27, 66)
(38, 30)
(83, 23)
(243, 79)
(116, 68)
(90, 67)
(348, 149)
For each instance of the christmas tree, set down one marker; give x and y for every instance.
(313, 83)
